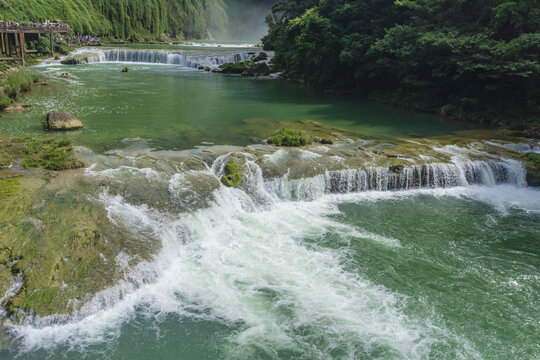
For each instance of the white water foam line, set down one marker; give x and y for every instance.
(162, 57)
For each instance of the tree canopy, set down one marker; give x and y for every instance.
(479, 57)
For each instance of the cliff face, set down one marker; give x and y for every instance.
(126, 19)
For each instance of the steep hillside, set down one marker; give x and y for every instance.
(126, 19)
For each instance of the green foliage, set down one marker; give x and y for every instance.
(49, 154)
(233, 176)
(30, 162)
(33, 147)
(260, 57)
(5, 160)
(235, 68)
(42, 45)
(126, 19)
(19, 82)
(324, 140)
(4, 102)
(482, 57)
(290, 137)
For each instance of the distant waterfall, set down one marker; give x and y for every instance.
(167, 57)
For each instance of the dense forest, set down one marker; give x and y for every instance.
(126, 19)
(474, 59)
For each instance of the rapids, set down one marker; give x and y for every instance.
(377, 247)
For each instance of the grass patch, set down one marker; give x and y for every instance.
(17, 82)
(5, 160)
(33, 147)
(8, 187)
(30, 162)
(290, 137)
(50, 154)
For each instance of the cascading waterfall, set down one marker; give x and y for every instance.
(438, 175)
(224, 260)
(185, 59)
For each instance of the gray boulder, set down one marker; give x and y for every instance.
(260, 69)
(62, 121)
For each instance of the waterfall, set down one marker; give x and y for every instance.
(185, 59)
(438, 175)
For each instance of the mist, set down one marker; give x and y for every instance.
(246, 20)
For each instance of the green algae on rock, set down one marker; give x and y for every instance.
(79, 59)
(232, 176)
(532, 163)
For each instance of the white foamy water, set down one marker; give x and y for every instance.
(253, 261)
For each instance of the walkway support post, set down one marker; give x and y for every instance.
(51, 40)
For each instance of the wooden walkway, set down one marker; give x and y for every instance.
(13, 37)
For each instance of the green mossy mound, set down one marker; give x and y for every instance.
(290, 137)
(78, 59)
(232, 176)
(235, 68)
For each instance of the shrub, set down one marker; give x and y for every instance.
(4, 102)
(290, 137)
(42, 45)
(20, 81)
(260, 57)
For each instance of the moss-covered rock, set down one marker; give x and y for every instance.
(79, 59)
(235, 68)
(532, 163)
(290, 137)
(261, 57)
(260, 69)
(58, 241)
(232, 176)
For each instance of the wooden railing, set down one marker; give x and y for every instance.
(8, 27)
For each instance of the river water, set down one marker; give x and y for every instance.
(439, 261)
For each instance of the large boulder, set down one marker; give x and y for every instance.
(235, 68)
(260, 69)
(80, 59)
(62, 121)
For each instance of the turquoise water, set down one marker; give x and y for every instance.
(432, 273)
(180, 108)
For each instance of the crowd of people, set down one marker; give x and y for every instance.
(79, 40)
(47, 25)
(73, 40)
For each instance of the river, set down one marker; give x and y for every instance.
(436, 259)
